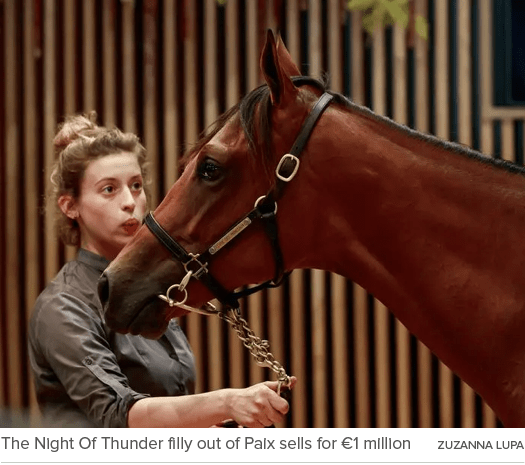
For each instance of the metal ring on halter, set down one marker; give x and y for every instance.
(207, 309)
(171, 302)
(262, 197)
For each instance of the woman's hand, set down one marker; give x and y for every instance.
(256, 407)
(259, 405)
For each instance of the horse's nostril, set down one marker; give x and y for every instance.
(103, 289)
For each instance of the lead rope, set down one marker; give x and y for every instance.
(258, 347)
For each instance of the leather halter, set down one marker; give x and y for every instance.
(196, 265)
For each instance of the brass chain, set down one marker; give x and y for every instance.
(258, 347)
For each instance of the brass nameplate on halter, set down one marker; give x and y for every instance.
(230, 235)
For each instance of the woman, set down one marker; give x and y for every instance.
(85, 374)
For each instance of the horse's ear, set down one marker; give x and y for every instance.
(285, 59)
(277, 67)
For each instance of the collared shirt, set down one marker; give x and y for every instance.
(86, 375)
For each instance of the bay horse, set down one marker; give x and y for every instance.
(310, 180)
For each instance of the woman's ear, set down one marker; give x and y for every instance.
(68, 206)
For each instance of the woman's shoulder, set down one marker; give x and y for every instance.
(73, 290)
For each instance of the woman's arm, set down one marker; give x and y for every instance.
(74, 367)
(256, 407)
(75, 345)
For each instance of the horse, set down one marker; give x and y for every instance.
(296, 176)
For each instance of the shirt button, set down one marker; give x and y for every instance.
(89, 361)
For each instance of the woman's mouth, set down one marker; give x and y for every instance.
(131, 226)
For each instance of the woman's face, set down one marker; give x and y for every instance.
(111, 203)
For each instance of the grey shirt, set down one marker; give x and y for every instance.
(86, 375)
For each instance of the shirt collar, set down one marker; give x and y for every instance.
(92, 259)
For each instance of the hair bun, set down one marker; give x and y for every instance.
(73, 128)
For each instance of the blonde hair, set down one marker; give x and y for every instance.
(79, 141)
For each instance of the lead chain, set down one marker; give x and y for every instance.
(258, 347)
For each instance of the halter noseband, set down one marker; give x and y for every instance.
(265, 208)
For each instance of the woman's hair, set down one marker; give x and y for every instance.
(79, 141)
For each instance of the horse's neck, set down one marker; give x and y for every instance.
(399, 197)
(433, 234)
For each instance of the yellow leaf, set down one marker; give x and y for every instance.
(421, 27)
(360, 4)
(396, 11)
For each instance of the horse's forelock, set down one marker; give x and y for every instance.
(254, 113)
(206, 136)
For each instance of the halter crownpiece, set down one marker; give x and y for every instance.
(265, 208)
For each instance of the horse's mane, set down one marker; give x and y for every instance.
(254, 116)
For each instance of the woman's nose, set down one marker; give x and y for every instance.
(128, 200)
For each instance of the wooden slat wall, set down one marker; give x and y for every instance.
(166, 69)
(31, 237)
(402, 336)
(339, 305)
(422, 123)
(442, 124)
(13, 166)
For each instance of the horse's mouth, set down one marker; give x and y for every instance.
(154, 328)
(150, 321)
(176, 312)
(147, 316)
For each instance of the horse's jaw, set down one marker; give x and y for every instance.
(138, 298)
(145, 315)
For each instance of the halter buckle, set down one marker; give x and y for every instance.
(284, 159)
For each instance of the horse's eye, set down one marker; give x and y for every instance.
(209, 170)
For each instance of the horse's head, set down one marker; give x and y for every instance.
(228, 170)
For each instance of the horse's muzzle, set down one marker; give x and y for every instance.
(141, 313)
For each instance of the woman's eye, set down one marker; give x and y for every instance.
(209, 170)
(137, 186)
(108, 190)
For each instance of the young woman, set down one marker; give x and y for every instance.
(86, 375)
